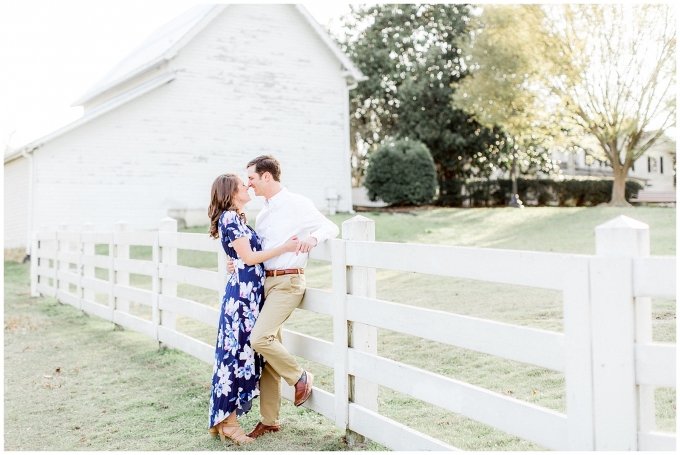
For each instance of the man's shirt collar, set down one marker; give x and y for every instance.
(277, 198)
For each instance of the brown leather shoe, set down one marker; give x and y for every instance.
(261, 429)
(303, 389)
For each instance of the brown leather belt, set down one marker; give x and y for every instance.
(284, 272)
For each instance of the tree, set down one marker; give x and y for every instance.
(506, 83)
(460, 146)
(616, 79)
(412, 55)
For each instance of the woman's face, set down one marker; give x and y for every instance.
(242, 196)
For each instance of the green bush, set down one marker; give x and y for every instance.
(401, 172)
(565, 193)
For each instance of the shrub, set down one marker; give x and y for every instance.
(567, 192)
(401, 172)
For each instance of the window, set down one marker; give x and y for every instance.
(651, 164)
(661, 164)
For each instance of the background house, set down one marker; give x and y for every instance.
(654, 167)
(201, 96)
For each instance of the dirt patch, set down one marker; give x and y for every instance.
(15, 254)
(23, 323)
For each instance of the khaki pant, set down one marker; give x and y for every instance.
(282, 295)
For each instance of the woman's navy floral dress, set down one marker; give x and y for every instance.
(237, 367)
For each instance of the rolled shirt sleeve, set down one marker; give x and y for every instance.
(320, 227)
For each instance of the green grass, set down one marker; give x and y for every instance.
(73, 382)
(136, 418)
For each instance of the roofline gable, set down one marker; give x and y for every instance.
(96, 112)
(352, 73)
(350, 67)
(166, 56)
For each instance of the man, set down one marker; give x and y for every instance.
(284, 215)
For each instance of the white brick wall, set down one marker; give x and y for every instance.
(256, 80)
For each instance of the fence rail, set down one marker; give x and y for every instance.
(606, 353)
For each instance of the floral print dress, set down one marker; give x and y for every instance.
(237, 367)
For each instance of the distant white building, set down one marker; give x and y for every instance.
(655, 167)
(204, 94)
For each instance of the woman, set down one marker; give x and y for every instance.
(237, 368)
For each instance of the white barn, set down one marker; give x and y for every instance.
(201, 96)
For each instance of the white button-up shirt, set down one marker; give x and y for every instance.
(287, 214)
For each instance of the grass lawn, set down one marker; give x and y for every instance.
(116, 391)
(72, 382)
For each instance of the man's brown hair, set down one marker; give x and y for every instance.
(266, 163)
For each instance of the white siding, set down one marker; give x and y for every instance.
(16, 203)
(264, 82)
(656, 180)
(256, 80)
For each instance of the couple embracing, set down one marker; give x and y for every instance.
(266, 285)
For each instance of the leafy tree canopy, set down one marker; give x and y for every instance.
(412, 54)
(506, 86)
(615, 76)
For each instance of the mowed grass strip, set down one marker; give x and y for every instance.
(73, 382)
(567, 230)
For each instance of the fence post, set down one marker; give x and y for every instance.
(79, 271)
(112, 275)
(578, 352)
(121, 277)
(155, 288)
(34, 265)
(51, 252)
(340, 362)
(643, 334)
(615, 395)
(88, 270)
(168, 287)
(59, 264)
(637, 245)
(362, 337)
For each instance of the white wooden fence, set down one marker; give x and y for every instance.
(606, 353)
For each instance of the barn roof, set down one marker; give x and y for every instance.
(160, 47)
(95, 112)
(163, 45)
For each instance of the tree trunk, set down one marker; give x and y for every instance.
(515, 201)
(619, 188)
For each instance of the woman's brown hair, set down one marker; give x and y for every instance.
(222, 194)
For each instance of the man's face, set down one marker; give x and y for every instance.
(256, 182)
(242, 195)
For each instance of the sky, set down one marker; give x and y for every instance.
(51, 52)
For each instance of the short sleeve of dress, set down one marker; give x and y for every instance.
(233, 227)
